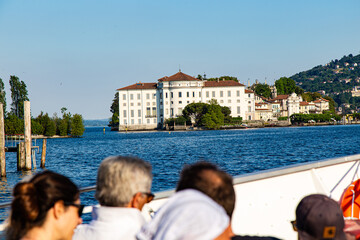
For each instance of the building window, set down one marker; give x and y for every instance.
(166, 111)
(180, 102)
(213, 93)
(155, 120)
(171, 95)
(249, 96)
(193, 94)
(124, 104)
(154, 95)
(199, 94)
(138, 96)
(221, 101)
(131, 96)
(249, 110)
(132, 121)
(154, 103)
(179, 111)
(132, 104)
(238, 100)
(147, 96)
(124, 114)
(188, 101)
(139, 121)
(160, 95)
(187, 94)
(249, 102)
(148, 111)
(229, 93)
(238, 110)
(166, 95)
(132, 113)
(139, 104)
(221, 93)
(139, 113)
(124, 96)
(125, 122)
(207, 94)
(171, 112)
(179, 94)
(229, 101)
(238, 93)
(249, 117)
(147, 104)
(148, 120)
(154, 111)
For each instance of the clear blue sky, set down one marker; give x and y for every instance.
(75, 54)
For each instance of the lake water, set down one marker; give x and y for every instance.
(236, 151)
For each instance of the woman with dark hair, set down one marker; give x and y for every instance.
(46, 207)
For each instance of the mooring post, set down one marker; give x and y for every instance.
(21, 156)
(2, 143)
(43, 154)
(27, 135)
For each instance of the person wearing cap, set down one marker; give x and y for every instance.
(122, 189)
(319, 217)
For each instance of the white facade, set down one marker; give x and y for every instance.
(148, 105)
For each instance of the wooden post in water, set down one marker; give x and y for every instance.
(2, 143)
(43, 154)
(27, 135)
(21, 156)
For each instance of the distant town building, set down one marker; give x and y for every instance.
(147, 105)
(355, 91)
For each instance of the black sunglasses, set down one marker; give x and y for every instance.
(79, 206)
(150, 196)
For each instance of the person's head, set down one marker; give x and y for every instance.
(123, 182)
(210, 180)
(188, 214)
(319, 217)
(47, 200)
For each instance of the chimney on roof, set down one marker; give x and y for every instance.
(217, 80)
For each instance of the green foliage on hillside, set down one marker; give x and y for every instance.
(337, 78)
(114, 109)
(287, 86)
(225, 78)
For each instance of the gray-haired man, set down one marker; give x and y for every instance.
(122, 189)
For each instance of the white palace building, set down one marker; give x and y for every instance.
(145, 106)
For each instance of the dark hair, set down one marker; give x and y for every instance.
(199, 176)
(34, 198)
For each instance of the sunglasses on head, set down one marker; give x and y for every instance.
(150, 196)
(79, 206)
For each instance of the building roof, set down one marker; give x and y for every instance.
(178, 77)
(248, 91)
(226, 83)
(304, 103)
(139, 86)
(281, 97)
(321, 100)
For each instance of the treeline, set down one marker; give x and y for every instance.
(48, 126)
(209, 115)
(68, 124)
(305, 118)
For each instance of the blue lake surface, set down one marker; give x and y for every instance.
(235, 151)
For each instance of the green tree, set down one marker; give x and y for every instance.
(36, 127)
(214, 118)
(13, 125)
(263, 90)
(2, 95)
(77, 125)
(285, 85)
(114, 108)
(194, 111)
(19, 94)
(223, 78)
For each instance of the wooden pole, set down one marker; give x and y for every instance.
(2, 143)
(21, 156)
(27, 135)
(43, 153)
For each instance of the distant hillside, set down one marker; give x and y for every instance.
(96, 123)
(337, 78)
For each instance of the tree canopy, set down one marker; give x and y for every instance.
(2, 95)
(19, 94)
(114, 108)
(263, 90)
